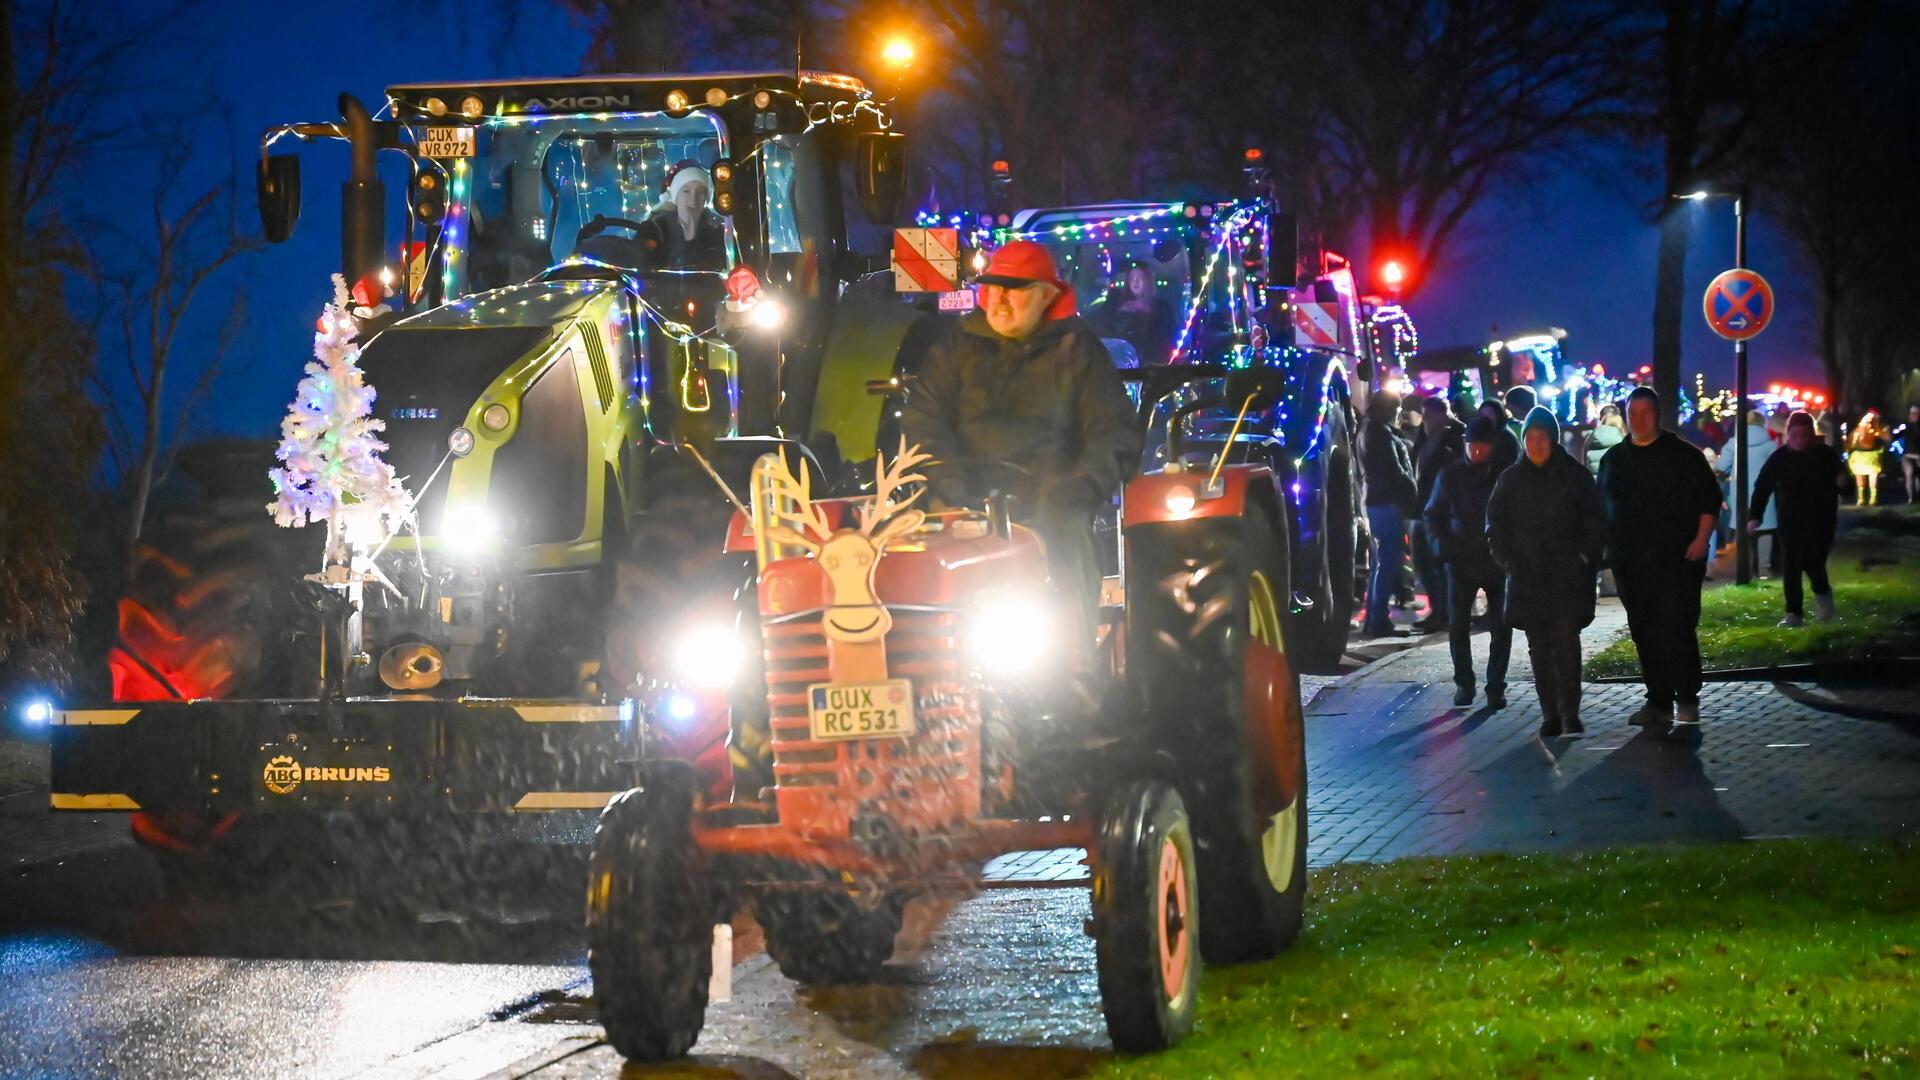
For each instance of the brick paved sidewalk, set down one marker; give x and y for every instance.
(1397, 770)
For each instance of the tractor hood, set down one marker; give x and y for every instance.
(536, 303)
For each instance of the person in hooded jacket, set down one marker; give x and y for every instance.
(1025, 380)
(1437, 443)
(1506, 445)
(1807, 475)
(1546, 528)
(1760, 447)
(1456, 518)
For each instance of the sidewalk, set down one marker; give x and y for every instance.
(1397, 770)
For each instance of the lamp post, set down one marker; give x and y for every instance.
(1743, 570)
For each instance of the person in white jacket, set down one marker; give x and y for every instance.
(1760, 447)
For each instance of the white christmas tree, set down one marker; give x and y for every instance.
(329, 450)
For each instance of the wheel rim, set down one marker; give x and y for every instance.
(1173, 923)
(1281, 837)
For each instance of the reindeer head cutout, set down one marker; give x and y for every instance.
(850, 557)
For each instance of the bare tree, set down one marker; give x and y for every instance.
(147, 298)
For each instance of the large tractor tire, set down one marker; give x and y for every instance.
(1319, 636)
(1146, 918)
(1209, 661)
(649, 919)
(826, 937)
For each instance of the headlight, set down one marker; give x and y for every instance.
(495, 417)
(1179, 500)
(38, 712)
(768, 314)
(460, 441)
(708, 656)
(1010, 634)
(467, 527)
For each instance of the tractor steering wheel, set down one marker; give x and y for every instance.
(632, 253)
(601, 223)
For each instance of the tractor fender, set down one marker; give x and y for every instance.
(1146, 498)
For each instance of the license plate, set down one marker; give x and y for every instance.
(882, 710)
(447, 142)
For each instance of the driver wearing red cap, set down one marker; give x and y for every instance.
(1025, 380)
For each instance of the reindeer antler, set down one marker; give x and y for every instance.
(886, 479)
(809, 518)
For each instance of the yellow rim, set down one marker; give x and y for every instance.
(1280, 838)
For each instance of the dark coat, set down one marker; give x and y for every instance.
(1546, 528)
(1051, 403)
(1808, 485)
(1428, 465)
(1456, 517)
(1655, 496)
(672, 250)
(1387, 468)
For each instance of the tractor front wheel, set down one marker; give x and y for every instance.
(649, 927)
(1145, 916)
(828, 938)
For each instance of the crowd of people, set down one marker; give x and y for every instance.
(1503, 503)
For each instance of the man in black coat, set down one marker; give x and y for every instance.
(1506, 445)
(1808, 475)
(1024, 380)
(1546, 528)
(1662, 502)
(1456, 519)
(1438, 443)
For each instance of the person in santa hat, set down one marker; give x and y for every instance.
(1024, 380)
(682, 233)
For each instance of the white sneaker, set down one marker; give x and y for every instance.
(1823, 607)
(1791, 622)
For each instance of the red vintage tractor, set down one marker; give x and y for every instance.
(927, 703)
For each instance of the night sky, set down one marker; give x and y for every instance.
(1563, 250)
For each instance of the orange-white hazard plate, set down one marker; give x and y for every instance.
(926, 260)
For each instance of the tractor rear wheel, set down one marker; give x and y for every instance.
(1319, 639)
(649, 922)
(1212, 669)
(1146, 891)
(828, 938)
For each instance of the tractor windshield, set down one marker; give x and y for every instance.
(542, 189)
(1131, 290)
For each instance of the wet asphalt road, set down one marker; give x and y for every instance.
(109, 973)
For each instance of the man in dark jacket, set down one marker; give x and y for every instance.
(1024, 380)
(1546, 528)
(1808, 475)
(1436, 445)
(1506, 445)
(1456, 519)
(1662, 502)
(1387, 470)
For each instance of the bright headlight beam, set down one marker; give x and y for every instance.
(708, 656)
(468, 527)
(1010, 635)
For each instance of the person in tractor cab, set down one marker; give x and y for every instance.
(1139, 315)
(1025, 381)
(682, 233)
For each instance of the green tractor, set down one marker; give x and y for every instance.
(570, 364)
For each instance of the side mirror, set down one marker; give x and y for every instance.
(882, 174)
(1283, 249)
(279, 183)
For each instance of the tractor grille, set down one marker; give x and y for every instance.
(922, 646)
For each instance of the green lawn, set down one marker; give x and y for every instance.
(1879, 614)
(1767, 958)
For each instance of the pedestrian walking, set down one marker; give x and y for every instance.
(1661, 502)
(1864, 447)
(1456, 519)
(1608, 432)
(1546, 529)
(1520, 401)
(1760, 447)
(1807, 476)
(1506, 446)
(1906, 439)
(1439, 443)
(1387, 469)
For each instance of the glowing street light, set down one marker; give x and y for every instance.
(898, 52)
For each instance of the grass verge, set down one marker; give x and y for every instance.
(1876, 585)
(1767, 958)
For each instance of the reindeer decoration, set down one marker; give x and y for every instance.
(856, 623)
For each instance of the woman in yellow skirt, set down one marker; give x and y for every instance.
(1864, 446)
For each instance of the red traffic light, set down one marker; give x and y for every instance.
(1393, 274)
(1001, 167)
(1255, 155)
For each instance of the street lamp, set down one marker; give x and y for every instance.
(897, 53)
(1742, 547)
